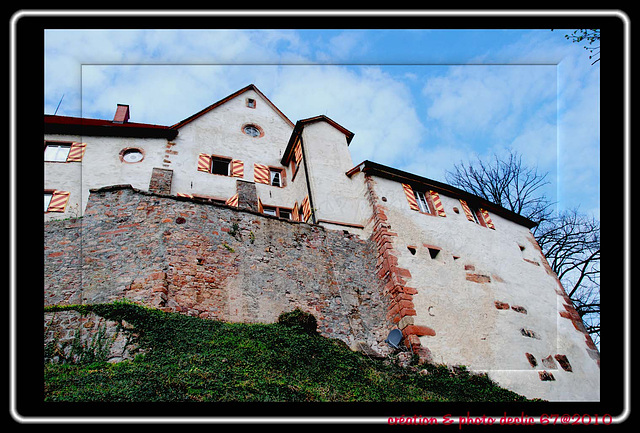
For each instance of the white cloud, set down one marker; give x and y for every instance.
(543, 111)
(365, 100)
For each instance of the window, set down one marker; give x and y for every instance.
(47, 200)
(251, 103)
(220, 166)
(267, 210)
(56, 152)
(132, 155)
(275, 211)
(285, 213)
(423, 204)
(55, 200)
(252, 130)
(275, 177)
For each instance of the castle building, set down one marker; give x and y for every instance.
(462, 278)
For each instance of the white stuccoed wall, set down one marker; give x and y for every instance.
(336, 196)
(470, 330)
(219, 132)
(101, 166)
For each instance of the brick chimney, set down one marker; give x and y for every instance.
(122, 114)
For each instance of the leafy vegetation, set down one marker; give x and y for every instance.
(191, 359)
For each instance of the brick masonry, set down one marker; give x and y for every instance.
(214, 261)
(396, 294)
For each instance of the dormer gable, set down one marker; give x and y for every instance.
(300, 124)
(263, 99)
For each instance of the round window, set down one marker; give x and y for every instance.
(132, 155)
(251, 130)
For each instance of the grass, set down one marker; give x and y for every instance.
(191, 359)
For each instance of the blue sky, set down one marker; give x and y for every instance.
(418, 100)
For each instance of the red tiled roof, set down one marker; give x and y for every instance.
(84, 126)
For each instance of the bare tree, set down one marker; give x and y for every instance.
(571, 244)
(506, 183)
(589, 35)
(570, 241)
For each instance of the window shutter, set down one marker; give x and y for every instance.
(411, 198)
(298, 152)
(295, 213)
(306, 208)
(204, 162)
(487, 219)
(467, 210)
(76, 152)
(232, 201)
(435, 197)
(182, 194)
(261, 174)
(237, 168)
(260, 207)
(58, 201)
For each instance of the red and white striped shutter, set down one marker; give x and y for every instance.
(298, 152)
(237, 168)
(76, 152)
(306, 208)
(204, 162)
(295, 213)
(487, 219)
(261, 174)
(435, 197)
(411, 198)
(232, 201)
(467, 210)
(182, 194)
(59, 200)
(260, 207)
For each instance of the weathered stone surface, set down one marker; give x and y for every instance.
(218, 262)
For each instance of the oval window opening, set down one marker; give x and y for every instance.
(132, 155)
(251, 130)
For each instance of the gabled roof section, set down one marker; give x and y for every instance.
(373, 168)
(300, 124)
(228, 98)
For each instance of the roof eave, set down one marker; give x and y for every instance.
(373, 168)
(300, 124)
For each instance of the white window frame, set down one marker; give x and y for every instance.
(423, 202)
(47, 200)
(60, 153)
(272, 174)
(268, 210)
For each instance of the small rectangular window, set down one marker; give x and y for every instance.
(55, 152)
(270, 210)
(285, 213)
(251, 103)
(276, 177)
(220, 166)
(47, 200)
(423, 202)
